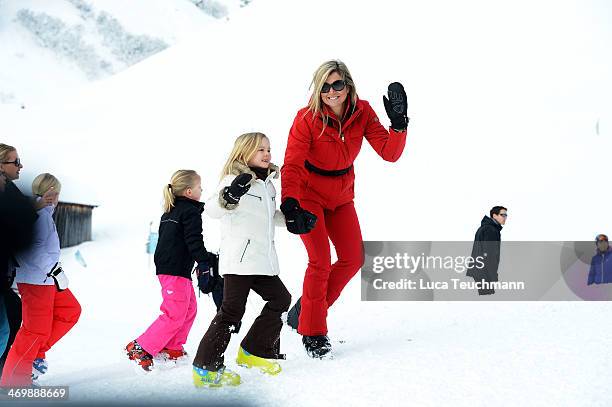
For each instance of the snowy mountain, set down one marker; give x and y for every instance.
(509, 104)
(503, 118)
(77, 41)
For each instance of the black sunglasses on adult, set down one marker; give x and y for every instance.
(17, 162)
(337, 85)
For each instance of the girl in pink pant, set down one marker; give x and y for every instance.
(180, 244)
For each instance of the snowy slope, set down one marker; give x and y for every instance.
(494, 118)
(48, 48)
(504, 103)
(418, 353)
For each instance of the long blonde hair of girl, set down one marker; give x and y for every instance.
(180, 182)
(319, 78)
(245, 147)
(43, 183)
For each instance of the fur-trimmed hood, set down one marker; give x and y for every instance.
(240, 168)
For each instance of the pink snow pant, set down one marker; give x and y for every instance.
(179, 308)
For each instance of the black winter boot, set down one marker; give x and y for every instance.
(293, 316)
(317, 346)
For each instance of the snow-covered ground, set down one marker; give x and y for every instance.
(509, 104)
(416, 353)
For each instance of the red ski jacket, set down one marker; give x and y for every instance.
(335, 145)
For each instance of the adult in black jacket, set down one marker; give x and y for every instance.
(17, 217)
(487, 246)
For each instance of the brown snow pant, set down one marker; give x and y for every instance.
(263, 339)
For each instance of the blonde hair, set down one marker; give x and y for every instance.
(180, 182)
(319, 78)
(43, 183)
(245, 147)
(5, 149)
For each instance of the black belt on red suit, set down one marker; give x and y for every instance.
(326, 173)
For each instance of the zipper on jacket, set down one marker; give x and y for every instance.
(340, 132)
(254, 196)
(270, 225)
(245, 248)
(602, 268)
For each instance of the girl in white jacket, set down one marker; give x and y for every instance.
(246, 204)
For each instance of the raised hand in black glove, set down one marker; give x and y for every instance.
(397, 106)
(239, 186)
(299, 221)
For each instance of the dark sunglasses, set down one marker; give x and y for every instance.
(337, 85)
(503, 215)
(17, 162)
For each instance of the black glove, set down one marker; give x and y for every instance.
(240, 185)
(397, 106)
(203, 266)
(299, 221)
(204, 278)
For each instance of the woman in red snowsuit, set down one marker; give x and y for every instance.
(318, 188)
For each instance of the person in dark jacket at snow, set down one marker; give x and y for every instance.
(487, 245)
(5, 330)
(601, 263)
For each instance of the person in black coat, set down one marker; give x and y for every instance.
(17, 217)
(16, 226)
(487, 245)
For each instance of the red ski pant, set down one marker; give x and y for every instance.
(48, 315)
(324, 281)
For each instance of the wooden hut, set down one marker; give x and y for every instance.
(73, 214)
(73, 222)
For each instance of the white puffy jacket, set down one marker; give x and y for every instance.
(247, 229)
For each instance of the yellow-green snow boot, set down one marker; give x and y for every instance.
(208, 378)
(246, 359)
